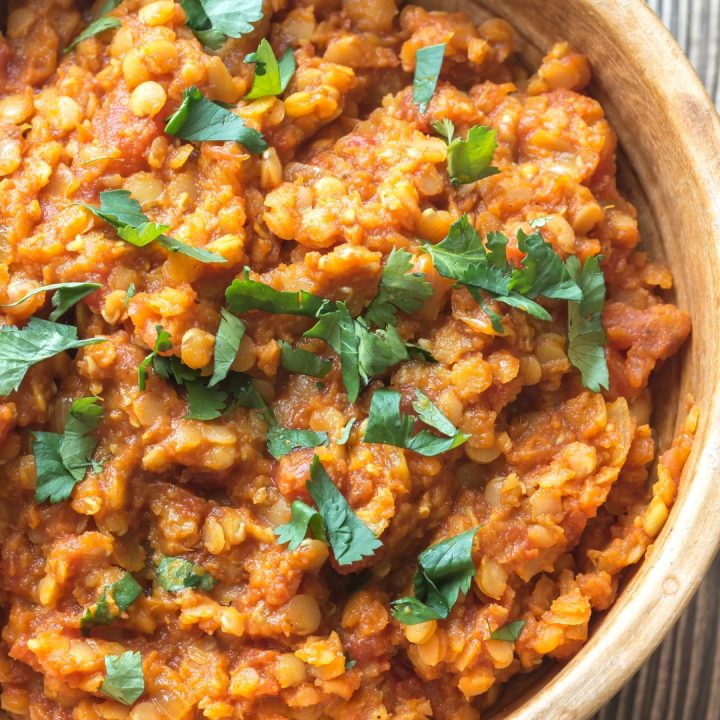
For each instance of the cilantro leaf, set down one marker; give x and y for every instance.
(510, 632)
(163, 343)
(227, 343)
(94, 28)
(130, 293)
(37, 341)
(350, 539)
(444, 571)
(586, 334)
(66, 295)
(199, 119)
(444, 128)
(389, 426)
(469, 160)
(61, 459)
(302, 362)
(175, 574)
(428, 62)
(246, 294)
(302, 519)
(282, 441)
(124, 592)
(379, 350)
(345, 435)
(204, 402)
(213, 21)
(119, 209)
(463, 257)
(271, 77)
(124, 680)
(398, 290)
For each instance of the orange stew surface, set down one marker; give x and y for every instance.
(220, 615)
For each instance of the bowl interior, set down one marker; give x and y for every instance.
(669, 162)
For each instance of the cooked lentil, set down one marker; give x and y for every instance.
(556, 477)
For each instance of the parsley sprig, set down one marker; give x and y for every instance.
(120, 210)
(98, 25)
(510, 632)
(214, 21)
(334, 520)
(176, 574)
(468, 160)
(115, 599)
(199, 119)
(124, 680)
(386, 424)
(271, 76)
(64, 297)
(444, 571)
(428, 62)
(39, 340)
(61, 459)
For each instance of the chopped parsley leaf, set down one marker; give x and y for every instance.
(119, 209)
(227, 343)
(444, 571)
(428, 62)
(199, 119)
(163, 343)
(345, 435)
(510, 632)
(65, 296)
(271, 77)
(282, 441)
(398, 290)
(302, 519)
(61, 459)
(586, 334)
(246, 294)
(213, 21)
(350, 539)
(175, 574)
(468, 160)
(37, 341)
(387, 425)
(96, 27)
(123, 593)
(302, 362)
(124, 680)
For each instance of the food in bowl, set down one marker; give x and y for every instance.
(324, 362)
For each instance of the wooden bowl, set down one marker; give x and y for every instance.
(669, 162)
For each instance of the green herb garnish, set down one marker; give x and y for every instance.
(586, 334)
(199, 119)
(175, 574)
(227, 343)
(282, 441)
(94, 28)
(37, 341)
(468, 160)
(398, 290)
(444, 571)
(123, 593)
(124, 679)
(65, 296)
(213, 21)
(245, 294)
(350, 539)
(510, 632)
(302, 362)
(271, 77)
(387, 425)
(61, 459)
(428, 62)
(119, 209)
(163, 343)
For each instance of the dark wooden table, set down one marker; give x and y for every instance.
(681, 681)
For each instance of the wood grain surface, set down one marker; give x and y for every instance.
(681, 681)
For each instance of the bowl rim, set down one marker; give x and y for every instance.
(664, 583)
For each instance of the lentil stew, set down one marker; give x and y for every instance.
(325, 343)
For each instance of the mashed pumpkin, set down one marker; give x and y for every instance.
(218, 618)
